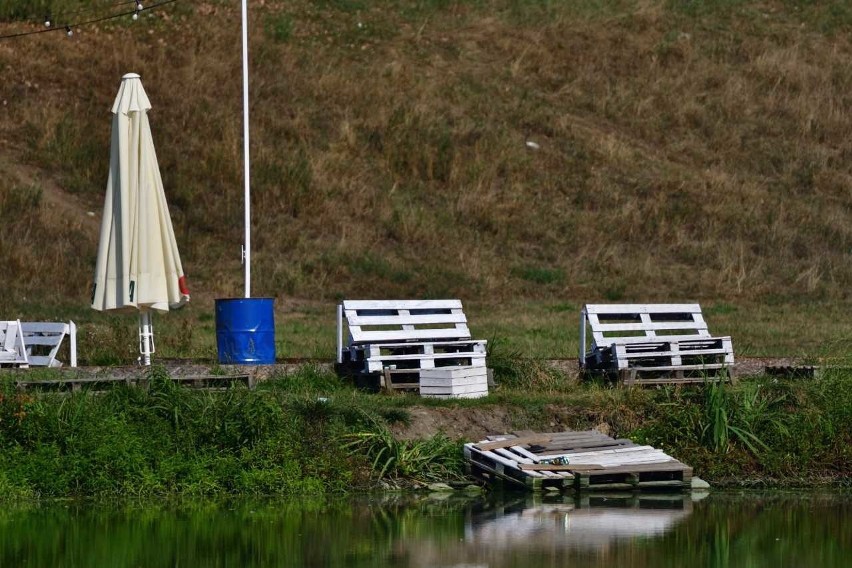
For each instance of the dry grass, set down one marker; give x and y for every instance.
(687, 150)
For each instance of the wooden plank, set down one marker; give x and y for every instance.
(506, 462)
(44, 327)
(602, 342)
(674, 351)
(426, 356)
(522, 461)
(648, 468)
(480, 394)
(450, 383)
(454, 389)
(526, 453)
(624, 450)
(663, 483)
(536, 439)
(567, 449)
(436, 343)
(377, 365)
(453, 373)
(410, 319)
(581, 439)
(640, 308)
(677, 381)
(682, 367)
(614, 327)
(398, 335)
(592, 436)
(560, 467)
(401, 304)
(571, 434)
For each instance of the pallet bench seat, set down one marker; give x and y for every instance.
(394, 337)
(652, 344)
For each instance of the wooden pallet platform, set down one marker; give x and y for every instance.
(582, 461)
(651, 376)
(793, 371)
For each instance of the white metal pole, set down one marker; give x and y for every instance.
(146, 337)
(340, 333)
(246, 169)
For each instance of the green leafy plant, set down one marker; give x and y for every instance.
(718, 427)
(435, 458)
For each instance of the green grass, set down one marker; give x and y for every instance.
(311, 433)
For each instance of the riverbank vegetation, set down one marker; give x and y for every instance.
(311, 433)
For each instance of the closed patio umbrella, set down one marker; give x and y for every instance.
(138, 266)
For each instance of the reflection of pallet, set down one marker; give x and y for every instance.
(586, 461)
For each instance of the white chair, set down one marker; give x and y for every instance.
(13, 351)
(43, 340)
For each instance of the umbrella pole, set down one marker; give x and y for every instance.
(146, 338)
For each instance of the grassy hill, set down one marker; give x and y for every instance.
(524, 155)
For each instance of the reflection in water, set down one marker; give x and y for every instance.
(724, 530)
(590, 523)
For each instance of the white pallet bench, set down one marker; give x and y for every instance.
(652, 344)
(43, 341)
(394, 337)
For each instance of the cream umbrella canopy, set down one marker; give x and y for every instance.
(138, 266)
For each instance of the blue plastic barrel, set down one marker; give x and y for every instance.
(245, 331)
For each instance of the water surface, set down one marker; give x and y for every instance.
(752, 530)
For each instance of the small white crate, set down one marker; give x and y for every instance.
(454, 382)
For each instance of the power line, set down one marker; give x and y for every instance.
(68, 28)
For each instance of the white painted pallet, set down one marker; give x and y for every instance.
(13, 350)
(406, 334)
(653, 338)
(44, 339)
(627, 467)
(450, 382)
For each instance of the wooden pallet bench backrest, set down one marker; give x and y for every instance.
(43, 340)
(386, 321)
(637, 323)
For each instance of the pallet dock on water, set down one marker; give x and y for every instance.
(584, 461)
